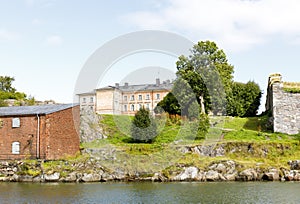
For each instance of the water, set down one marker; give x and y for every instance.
(236, 192)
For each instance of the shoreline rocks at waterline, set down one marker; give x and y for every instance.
(91, 171)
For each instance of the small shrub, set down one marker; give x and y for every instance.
(143, 127)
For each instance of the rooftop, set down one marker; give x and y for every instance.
(166, 85)
(34, 110)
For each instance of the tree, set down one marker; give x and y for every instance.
(169, 104)
(209, 74)
(143, 128)
(244, 100)
(7, 91)
(6, 84)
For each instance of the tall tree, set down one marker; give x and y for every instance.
(209, 74)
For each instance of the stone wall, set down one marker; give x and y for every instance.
(284, 106)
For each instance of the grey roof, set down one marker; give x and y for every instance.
(34, 110)
(145, 87)
(140, 87)
(87, 93)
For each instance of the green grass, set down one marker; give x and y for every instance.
(291, 90)
(235, 132)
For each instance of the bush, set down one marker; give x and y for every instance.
(244, 100)
(143, 128)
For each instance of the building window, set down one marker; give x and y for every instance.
(125, 107)
(140, 106)
(148, 97)
(132, 98)
(157, 96)
(15, 148)
(125, 98)
(92, 99)
(140, 97)
(132, 107)
(83, 100)
(147, 106)
(16, 122)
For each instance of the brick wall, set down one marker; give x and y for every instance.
(25, 135)
(58, 135)
(61, 137)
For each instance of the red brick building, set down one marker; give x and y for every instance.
(42, 132)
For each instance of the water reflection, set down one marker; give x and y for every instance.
(236, 192)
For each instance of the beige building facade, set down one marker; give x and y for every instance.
(126, 99)
(87, 101)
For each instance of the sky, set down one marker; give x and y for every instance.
(45, 44)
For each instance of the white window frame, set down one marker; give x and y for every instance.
(16, 123)
(15, 148)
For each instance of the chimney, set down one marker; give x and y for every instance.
(157, 82)
(117, 85)
(126, 85)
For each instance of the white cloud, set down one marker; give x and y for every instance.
(6, 35)
(235, 24)
(54, 40)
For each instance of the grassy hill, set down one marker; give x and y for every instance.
(245, 140)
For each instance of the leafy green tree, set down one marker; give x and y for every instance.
(244, 100)
(169, 104)
(143, 128)
(209, 75)
(7, 91)
(6, 84)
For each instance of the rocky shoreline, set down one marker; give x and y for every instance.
(92, 171)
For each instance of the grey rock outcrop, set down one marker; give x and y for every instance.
(212, 175)
(91, 178)
(189, 173)
(52, 177)
(90, 128)
(271, 175)
(248, 175)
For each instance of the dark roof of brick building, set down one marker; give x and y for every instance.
(34, 110)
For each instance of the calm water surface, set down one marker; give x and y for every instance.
(256, 192)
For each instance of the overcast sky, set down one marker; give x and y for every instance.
(45, 43)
